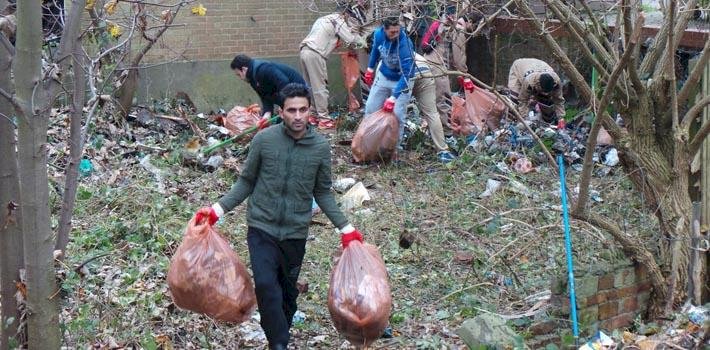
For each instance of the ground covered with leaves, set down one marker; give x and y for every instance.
(450, 254)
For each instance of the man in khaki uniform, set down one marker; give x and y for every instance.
(444, 48)
(534, 81)
(424, 91)
(325, 34)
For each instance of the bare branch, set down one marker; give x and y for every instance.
(670, 73)
(582, 43)
(589, 38)
(658, 47)
(694, 77)
(13, 101)
(603, 103)
(700, 136)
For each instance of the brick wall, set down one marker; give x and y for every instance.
(604, 302)
(259, 28)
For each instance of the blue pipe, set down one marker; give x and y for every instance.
(568, 248)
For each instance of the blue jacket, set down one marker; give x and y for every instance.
(397, 58)
(268, 78)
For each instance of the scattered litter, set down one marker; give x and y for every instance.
(298, 318)
(491, 187)
(342, 185)
(145, 163)
(523, 166)
(222, 130)
(214, 162)
(517, 187)
(612, 157)
(696, 314)
(85, 167)
(502, 168)
(354, 197)
(598, 342)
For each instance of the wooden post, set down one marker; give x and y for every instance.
(705, 179)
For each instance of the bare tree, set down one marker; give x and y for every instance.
(31, 80)
(657, 145)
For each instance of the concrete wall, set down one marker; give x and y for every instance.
(212, 84)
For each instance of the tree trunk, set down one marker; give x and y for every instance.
(76, 148)
(38, 241)
(11, 259)
(127, 91)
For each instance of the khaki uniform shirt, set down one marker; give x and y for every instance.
(524, 80)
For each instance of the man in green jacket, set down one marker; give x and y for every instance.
(287, 165)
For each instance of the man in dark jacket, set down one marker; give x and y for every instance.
(287, 164)
(267, 79)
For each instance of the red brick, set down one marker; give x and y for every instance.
(622, 321)
(606, 282)
(625, 292)
(644, 287)
(608, 310)
(629, 304)
(598, 298)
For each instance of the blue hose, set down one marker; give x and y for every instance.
(568, 249)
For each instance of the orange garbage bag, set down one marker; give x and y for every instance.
(351, 73)
(359, 298)
(484, 108)
(460, 122)
(207, 276)
(376, 137)
(480, 111)
(241, 118)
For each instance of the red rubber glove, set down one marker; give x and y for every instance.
(466, 84)
(369, 77)
(206, 213)
(353, 235)
(389, 104)
(263, 123)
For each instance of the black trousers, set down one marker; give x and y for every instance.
(275, 265)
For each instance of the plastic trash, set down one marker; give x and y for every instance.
(85, 167)
(351, 73)
(298, 318)
(612, 157)
(697, 314)
(491, 187)
(598, 342)
(239, 119)
(522, 166)
(343, 184)
(214, 162)
(355, 196)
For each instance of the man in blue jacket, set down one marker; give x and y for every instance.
(267, 79)
(390, 86)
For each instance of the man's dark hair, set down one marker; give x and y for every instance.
(240, 61)
(390, 21)
(547, 82)
(292, 90)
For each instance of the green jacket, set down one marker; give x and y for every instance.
(281, 176)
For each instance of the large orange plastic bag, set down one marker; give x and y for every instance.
(484, 108)
(239, 119)
(480, 111)
(207, 276)
(351, 73)
(359, 298)
(376, 137)
(460, 122)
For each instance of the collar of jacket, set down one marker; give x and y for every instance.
(309, 138)
(253, 67)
